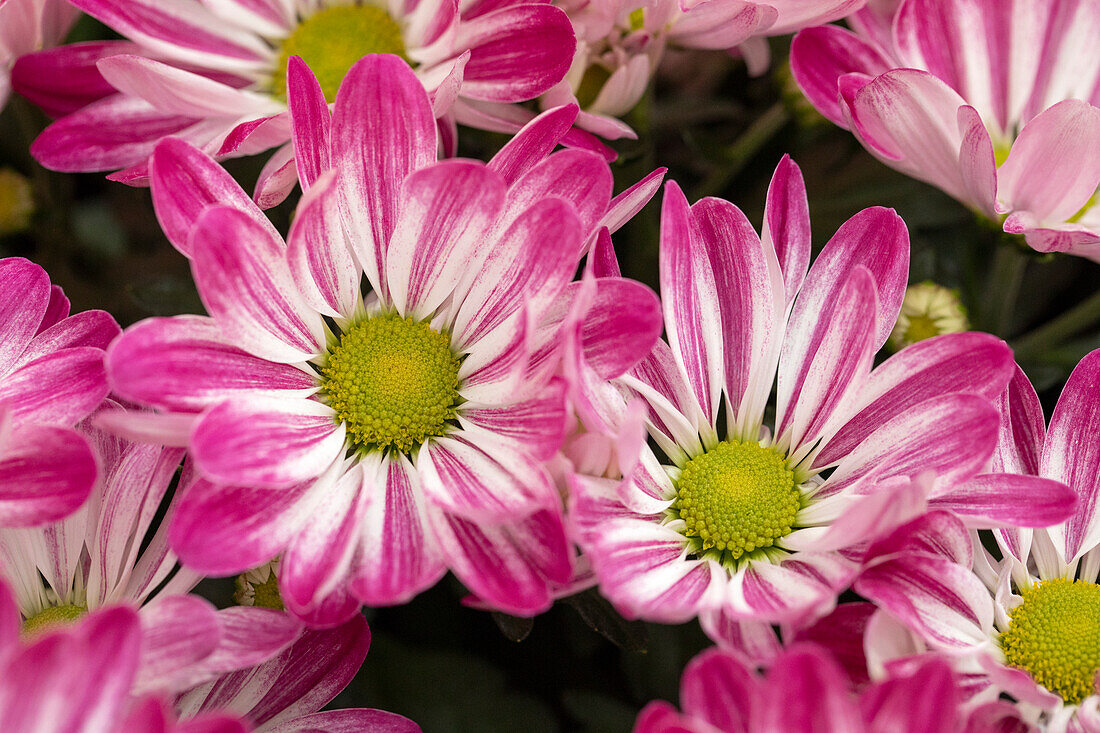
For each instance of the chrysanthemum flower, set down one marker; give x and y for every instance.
(284, 694)
(767, 525)
(805, 689)
(620, 44)
(97, 557)
(26, 26)
(213, 73)
(992, 102)
(51, 377)
(82, 677)
(1029, 620)
(374, 442)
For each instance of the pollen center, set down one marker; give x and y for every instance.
(332, 40)
(737, 498)
(393, 382)
(1055, 635)
(52, 617)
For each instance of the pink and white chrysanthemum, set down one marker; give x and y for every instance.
(26, 26)
(51, 378)
(1028, 621)
(805, 689)
(374, 442)
(80, 679)
(993, 102)
(746, 523)
(284, 694)
(213, 73)
(96, 557)
(620, 44)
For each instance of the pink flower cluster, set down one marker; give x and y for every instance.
(441, 369)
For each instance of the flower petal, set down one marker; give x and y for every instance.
(320, 261)
(46, 473)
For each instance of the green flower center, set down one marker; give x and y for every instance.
(52, 617)
(332, 40)
(262, 593)
(737, 498)
(393, 382)
(1055, 635)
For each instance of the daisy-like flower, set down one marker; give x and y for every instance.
(97, 557)
(81, 679)
(929, 309)
(767, 525)
(26, 26)
(1029, 620)
(805, 689)
(374, 442)
(620, 44)
(213, 73)
(51, 377)
(991, 102)
(284, 694)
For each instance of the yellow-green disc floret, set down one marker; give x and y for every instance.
(1055, 635)
(738, 497)
(332, 40)
(52, 617)
(392, 381)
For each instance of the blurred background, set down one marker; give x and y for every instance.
(578, 667)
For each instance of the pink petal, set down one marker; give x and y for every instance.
(382, 130)
(60, 388)
(787, 224)
(806, 690)
(1023, 427)
(311, 122)
(95, 328)
(578, 176)
(628, 203)
(320, 554)
(690, 299)
(178, 633)
(537, 425)
(349, 720)
(440, 232)
(320, 262)
(975, 363)
(820, 56)
(620, 326)
(24, 297)
(927, 700)
(1010, 500)
(977, 162)
(1054, 166)
(1072, 455)
(185, 182)
(185, 363)
(721, 24)
(246, 285)
(516, 53)
(64, 79)
(483, 478)
(46, 473)
(533, 143)
(718, 688)
(267, 441)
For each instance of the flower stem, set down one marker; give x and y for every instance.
(1056, 331)
(1009, 264)
(738, 154)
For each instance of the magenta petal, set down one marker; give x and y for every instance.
(718, 688)
(620, 326)
(806, 690)
(24, 297)
(242, 275)
(46, 473)
(690, 296)
(441, 231)
(94, 328)
(185, 182)
(398, 557)
(1009, 500)
(220, 530)
(311, 122)
(578, 176)
(320, 261)
(516, 53)
(1023, 427)
(538, 425)
(348, 720)
(787, 224)
(484, 478)
(62, 80)
(976, 363)
(382, 130)
(178, 634)
(57, 310)
(927, 700)
(317, 559)
(941, 600)
(60, 388)
(1072, 455)
(184, 363)
(269, 441)
(820, 56)
(509, 567)
(533, 143)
